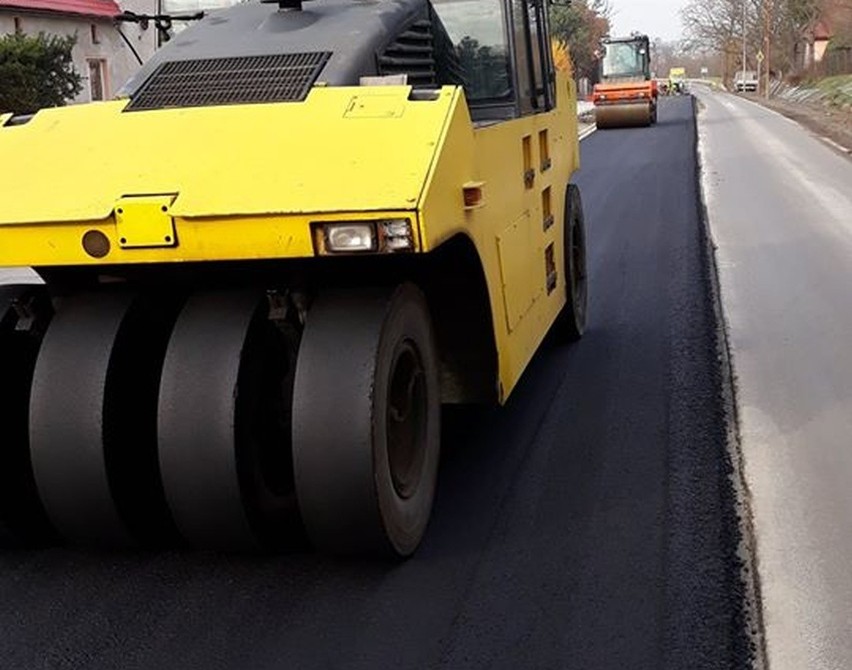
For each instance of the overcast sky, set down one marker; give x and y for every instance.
(655, 18)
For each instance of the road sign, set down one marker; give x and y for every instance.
(704, 71)
(759, 56)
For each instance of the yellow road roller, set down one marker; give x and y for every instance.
(292, 237)
(626, 95)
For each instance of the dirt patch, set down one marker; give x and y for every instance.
(821, 119)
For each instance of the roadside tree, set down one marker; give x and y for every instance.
(581, 25)
(36, 72)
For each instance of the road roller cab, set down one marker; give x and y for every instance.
(294, 235)
(626, 94)
(677, 80)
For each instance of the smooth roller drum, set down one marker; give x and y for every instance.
(623, 116)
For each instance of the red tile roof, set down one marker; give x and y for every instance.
(819, 29)
(84, 7)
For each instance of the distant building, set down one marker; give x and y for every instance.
(102, 56)
(831, 30)
(816, 38)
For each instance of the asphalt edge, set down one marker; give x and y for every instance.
(747, 549)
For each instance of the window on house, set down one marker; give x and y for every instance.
(19, 27)
(96, 39)
(96, 79)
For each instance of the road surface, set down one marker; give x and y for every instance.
(588, 524)
(780, 208)
(18, 276)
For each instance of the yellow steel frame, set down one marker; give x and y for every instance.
(246, 182)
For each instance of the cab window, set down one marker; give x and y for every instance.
(623, 59)
(529, 35)
(477, 31)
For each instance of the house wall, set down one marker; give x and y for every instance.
(819, 49)
(106, 48)
(838, 16)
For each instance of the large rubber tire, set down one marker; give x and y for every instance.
(93, 419)
(366, 421)
(23, 520)
(224, 424)
(571, 322)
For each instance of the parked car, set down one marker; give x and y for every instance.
(745, 81)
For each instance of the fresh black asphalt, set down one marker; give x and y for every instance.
(589, 523)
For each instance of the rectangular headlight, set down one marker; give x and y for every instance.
(383, 235)
(350, 237)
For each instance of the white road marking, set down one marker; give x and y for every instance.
(837, 146)
(588, 131)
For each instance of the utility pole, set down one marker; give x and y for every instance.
(742, 69)
(768, 30)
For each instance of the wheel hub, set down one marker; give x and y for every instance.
(406, 420)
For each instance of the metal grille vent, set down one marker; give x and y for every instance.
(229, 81)
(411, 53)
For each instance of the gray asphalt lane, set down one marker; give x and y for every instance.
(18, 276)
(780, 209)
(587, 524)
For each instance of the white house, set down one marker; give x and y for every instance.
(107, 53)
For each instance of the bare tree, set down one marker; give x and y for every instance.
(666, 55)
(787, 25)
(717, 26)
(772, 27)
